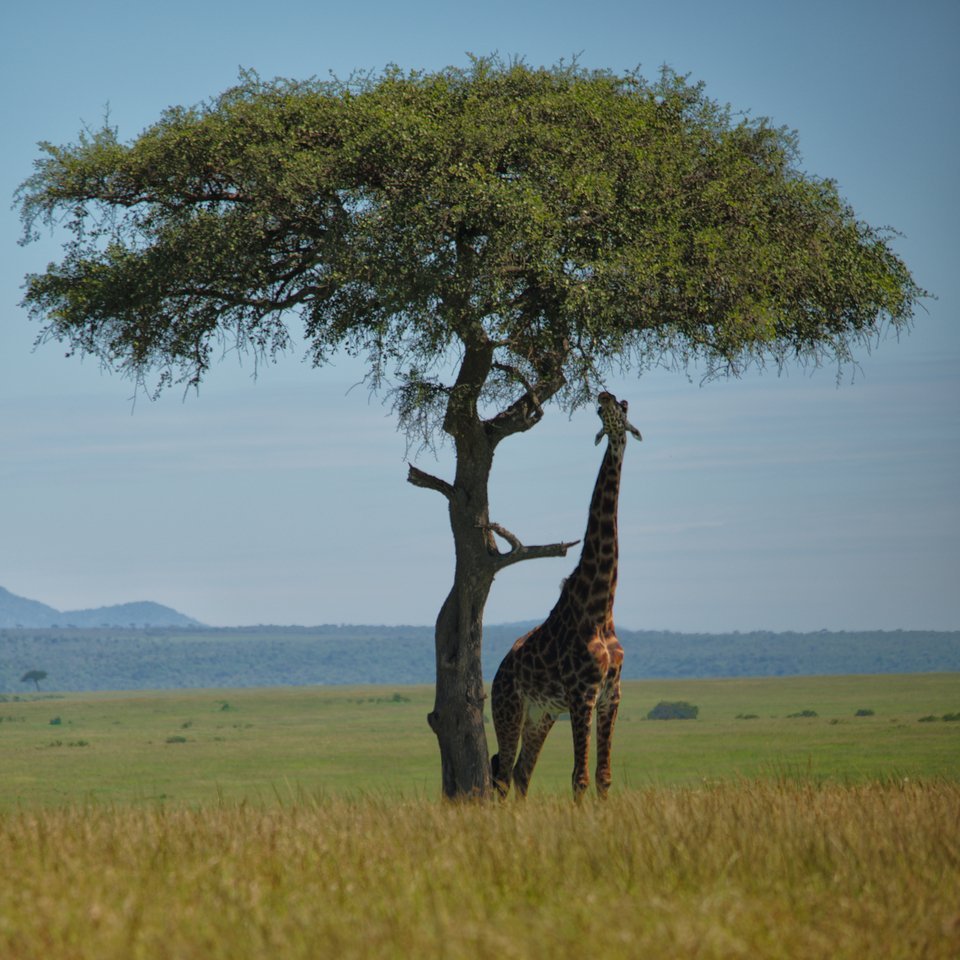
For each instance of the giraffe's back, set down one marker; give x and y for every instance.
(547, 670)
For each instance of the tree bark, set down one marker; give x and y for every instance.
(457, 717)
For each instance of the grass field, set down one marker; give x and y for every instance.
(763, 869)
(257, 745)
(303, 823)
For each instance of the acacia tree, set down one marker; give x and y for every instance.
(489, 239)
(34, 677)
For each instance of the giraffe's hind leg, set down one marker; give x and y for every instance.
(535, 730)
(581, 713)
(506, 707)
(607, 707)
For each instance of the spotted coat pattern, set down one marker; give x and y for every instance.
(572, 661)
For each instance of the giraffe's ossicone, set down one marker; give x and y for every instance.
(572, 661)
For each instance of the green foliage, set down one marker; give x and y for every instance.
(801, 714)
(864, 713)
(947, 717)
(564, 221)
(673, 710)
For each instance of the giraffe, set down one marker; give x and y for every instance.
(572, 661)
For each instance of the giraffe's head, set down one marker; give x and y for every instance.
(613, 413)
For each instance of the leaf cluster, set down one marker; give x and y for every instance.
(555, 223)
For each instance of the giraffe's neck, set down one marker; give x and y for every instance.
(589, 591)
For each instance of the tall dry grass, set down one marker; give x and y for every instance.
(756, 869)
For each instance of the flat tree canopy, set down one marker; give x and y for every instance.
(488, 239)
(34, 677)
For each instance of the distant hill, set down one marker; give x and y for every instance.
(20, 612)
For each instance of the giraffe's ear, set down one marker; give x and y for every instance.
(599, 436)
(634, 430)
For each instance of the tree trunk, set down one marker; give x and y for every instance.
(457, 717)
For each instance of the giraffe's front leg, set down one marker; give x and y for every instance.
(607, 707)
(581, 713)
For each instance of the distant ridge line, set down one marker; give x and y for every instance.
(16, 611)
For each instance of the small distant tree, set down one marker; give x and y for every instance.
(490, 239)
(674, 710)
(35, 676)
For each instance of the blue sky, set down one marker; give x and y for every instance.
(789, 502)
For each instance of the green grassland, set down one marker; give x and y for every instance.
(264, 746)
(304, 823)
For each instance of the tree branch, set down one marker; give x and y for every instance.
(461, 415)
(519, 551)
(522, 414)
(428, 481)
(527, 410)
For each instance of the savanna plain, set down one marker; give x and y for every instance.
(795, 817)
